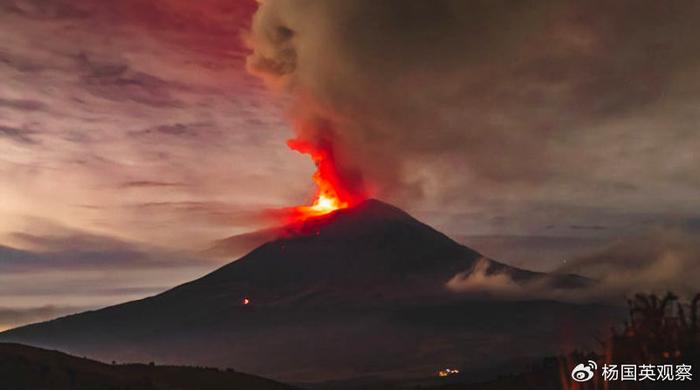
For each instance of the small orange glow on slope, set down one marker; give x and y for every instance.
(331, 193)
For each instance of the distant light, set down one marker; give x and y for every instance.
(447, 372)
(246, 301)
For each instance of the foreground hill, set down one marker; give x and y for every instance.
(28, 368)
(360, 292)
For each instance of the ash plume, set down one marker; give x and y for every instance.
(433, 98)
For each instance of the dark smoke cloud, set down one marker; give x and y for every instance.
(437, 97)
(657, 261)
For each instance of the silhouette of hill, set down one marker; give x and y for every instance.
(359, 292)
(29, 368)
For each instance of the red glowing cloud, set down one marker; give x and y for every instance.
(333, 191)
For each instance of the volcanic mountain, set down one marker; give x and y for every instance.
(358, 292)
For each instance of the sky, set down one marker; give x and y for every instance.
(135, 134)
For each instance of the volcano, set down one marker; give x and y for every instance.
(361, 291)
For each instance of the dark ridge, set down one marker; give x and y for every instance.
(24, 367)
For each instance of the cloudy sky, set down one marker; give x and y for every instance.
(133, 134)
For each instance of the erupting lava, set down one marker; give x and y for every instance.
(332, 192)
(324, 204)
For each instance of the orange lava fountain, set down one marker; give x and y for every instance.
(331, 194)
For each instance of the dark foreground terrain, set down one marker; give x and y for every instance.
(655, 326)
(29, 368)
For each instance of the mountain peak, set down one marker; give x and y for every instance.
(366, 216)
(376, 208)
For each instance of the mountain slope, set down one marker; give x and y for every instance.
(358, 292)
(376, 251)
